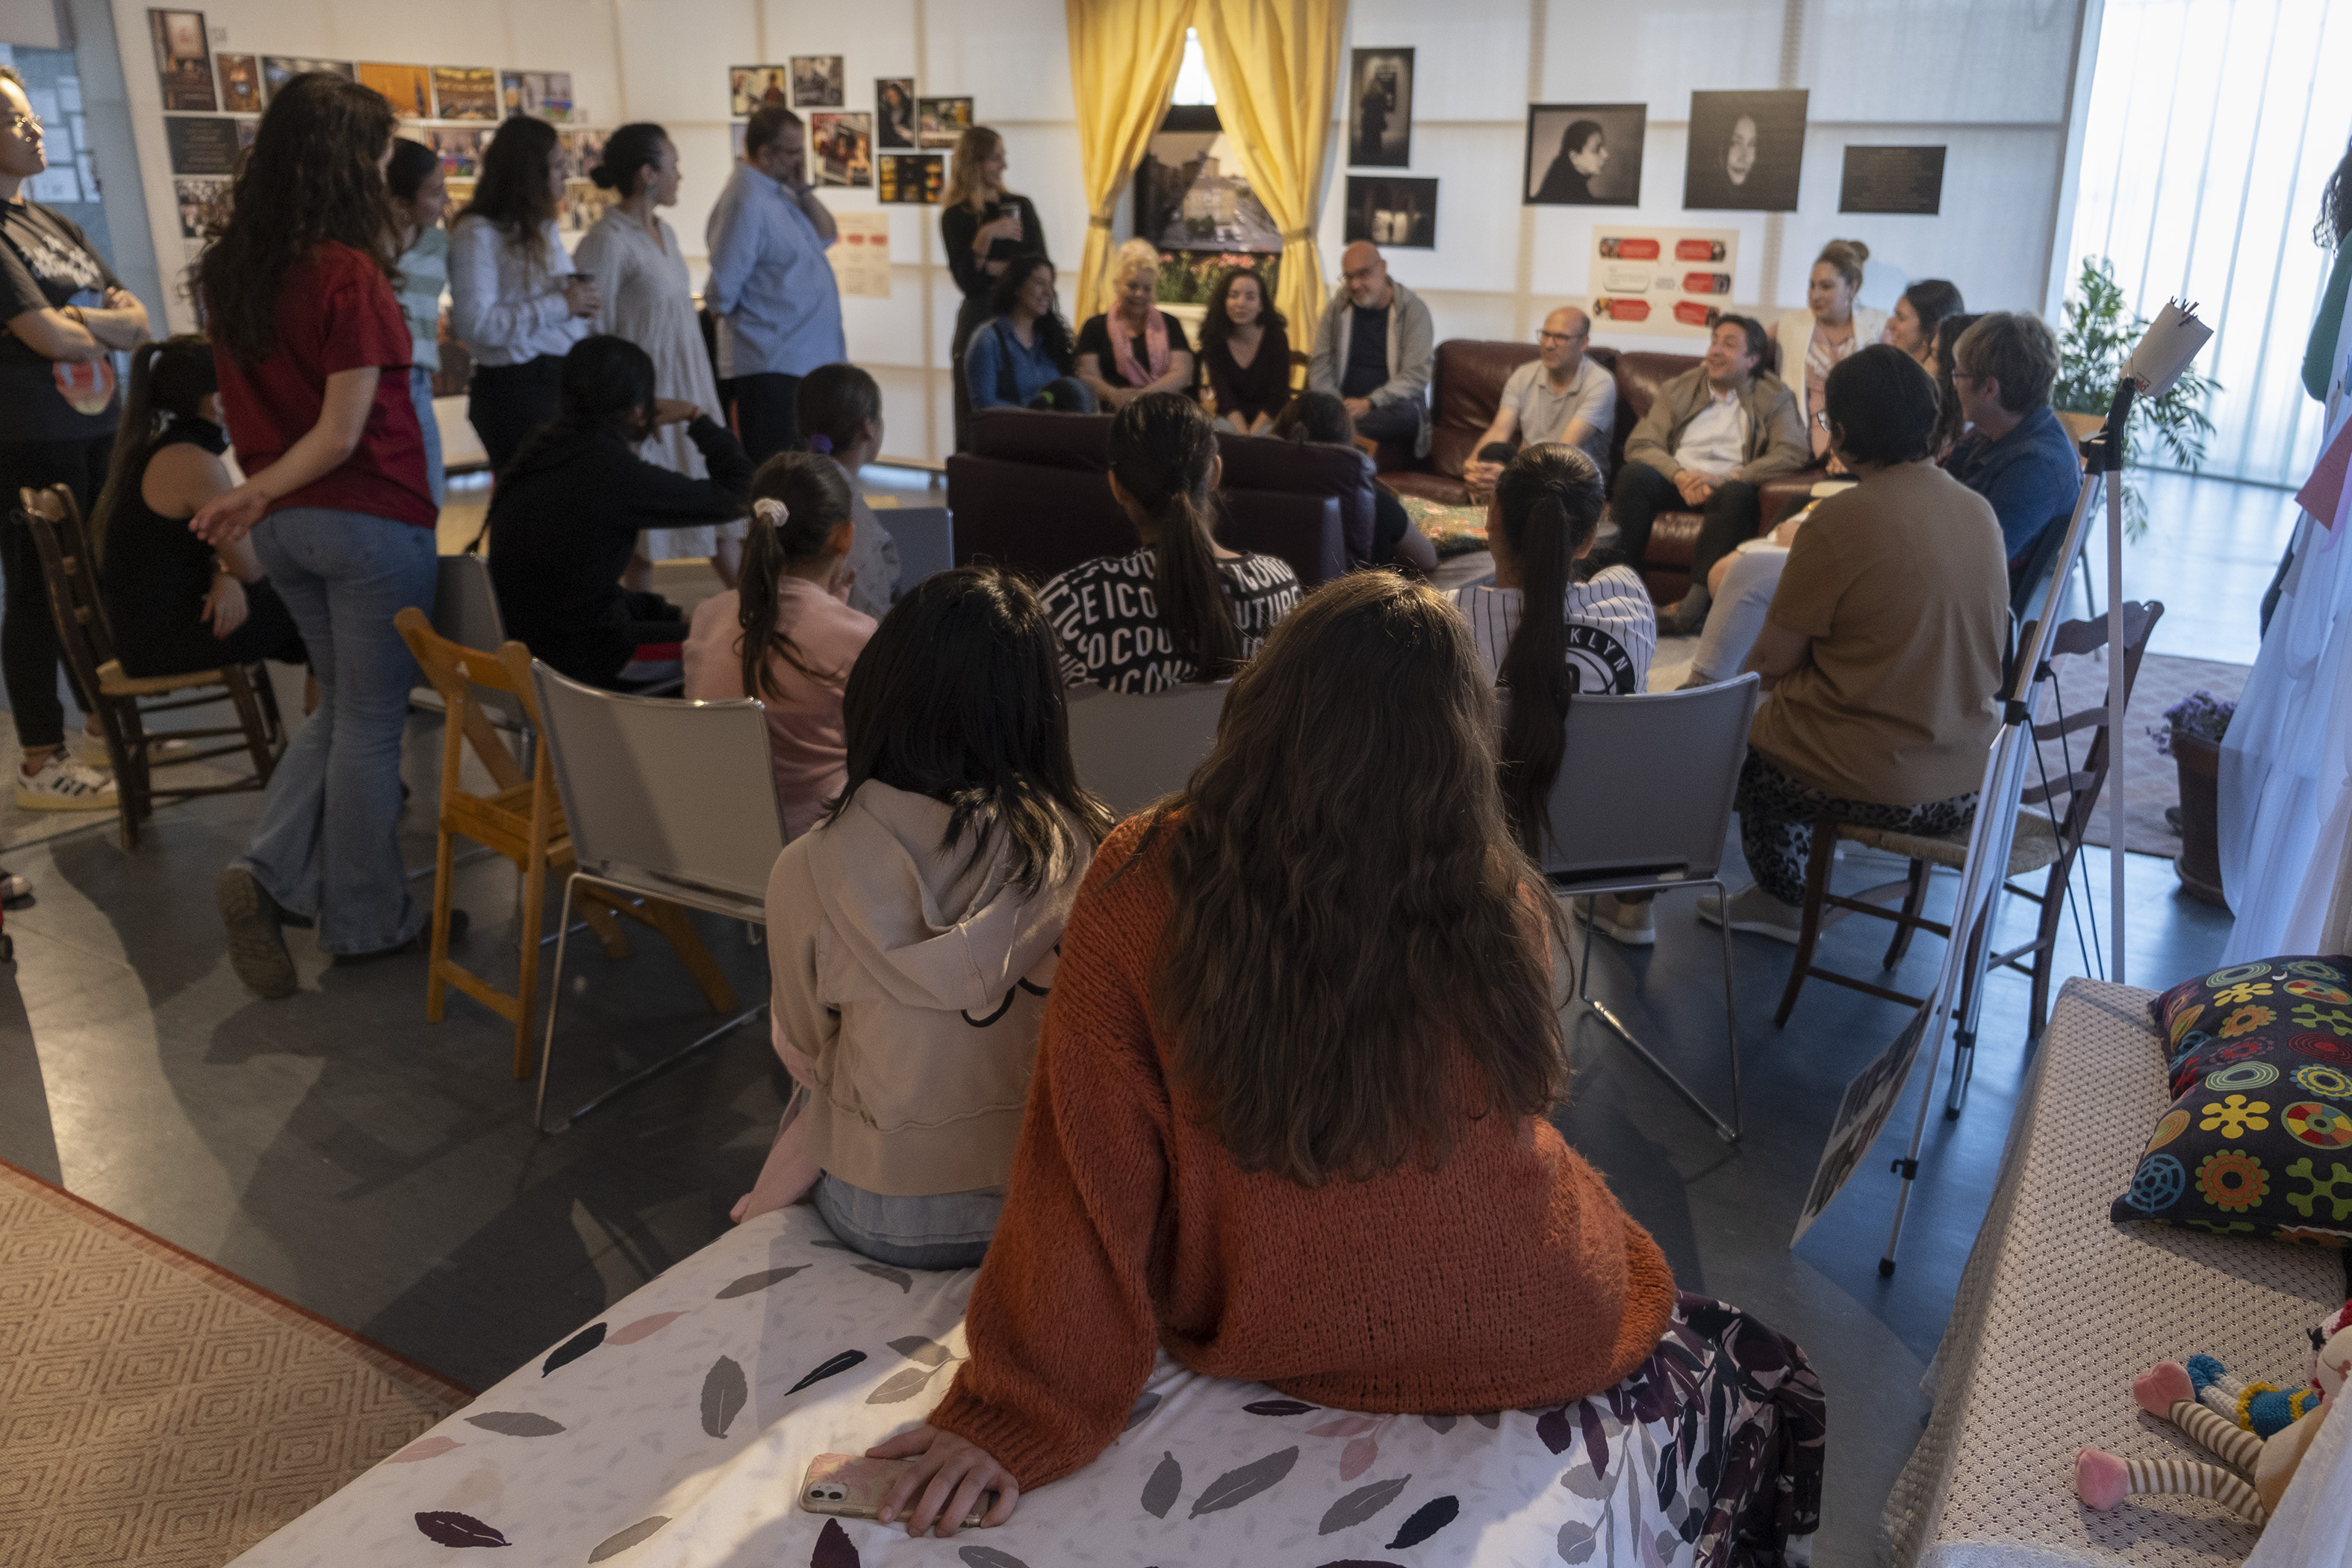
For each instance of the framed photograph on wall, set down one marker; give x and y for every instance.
(583, 150)
(1746, 151)
(941, 121)
(201, 199)
(240, 84)
(200, 143)
(1893, 180)
(756, 87)
(818, 81)
(466, 93)
(1380, 109)
(409, 89)
(841, 149)
(276, 70)
(894, 111)
(911, 179)
(460, 150)
(536, 95)
(1583, 155)
(1393, 210)
(184, 60)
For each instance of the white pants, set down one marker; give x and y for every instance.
(1737, 618)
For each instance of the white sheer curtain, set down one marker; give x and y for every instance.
(2213, 125)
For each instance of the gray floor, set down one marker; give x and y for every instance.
(382, 1171)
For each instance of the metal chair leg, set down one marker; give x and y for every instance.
(1726, 1130)
(546, 1047)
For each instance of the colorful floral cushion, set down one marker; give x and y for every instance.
(2259, 1139)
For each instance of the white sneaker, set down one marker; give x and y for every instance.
(1757, 913)
(13, 888)
(1623, 920)
(63, 785)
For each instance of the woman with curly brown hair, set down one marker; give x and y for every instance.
(1288, 1113)
(312, 354)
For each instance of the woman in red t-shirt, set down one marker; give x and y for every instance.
(313, 354)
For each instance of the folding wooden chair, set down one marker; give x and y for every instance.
(522, 819)
(87, 643)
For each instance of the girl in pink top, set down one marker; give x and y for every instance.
(786, 637)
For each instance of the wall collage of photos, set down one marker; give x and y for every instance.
(213, 105)
(881, 150)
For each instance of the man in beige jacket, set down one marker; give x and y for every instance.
(1711, 435)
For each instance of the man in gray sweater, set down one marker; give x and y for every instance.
(1373, 349)
(1711, 435)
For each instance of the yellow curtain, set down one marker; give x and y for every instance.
(1276, 65)
(1124, 56)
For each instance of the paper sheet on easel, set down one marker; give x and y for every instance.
(2171, 340)
(2323, 494)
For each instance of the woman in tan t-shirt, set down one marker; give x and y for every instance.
(1881, 655)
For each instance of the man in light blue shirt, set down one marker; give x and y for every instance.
(771, 289)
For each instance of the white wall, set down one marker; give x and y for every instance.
(1990, 79)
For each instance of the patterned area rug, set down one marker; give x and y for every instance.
(155, 1409)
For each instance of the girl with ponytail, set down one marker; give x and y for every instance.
(1546, 637)
(175, 604)
(1183, 607)
(839, 408)
(787, 636)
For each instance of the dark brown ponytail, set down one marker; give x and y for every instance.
(1547, 504)
(816, 500)
(168, 376)
(1163, 451)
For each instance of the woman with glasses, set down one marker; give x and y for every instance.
(65, 315)
(1556, 396)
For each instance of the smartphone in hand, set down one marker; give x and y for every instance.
(850, 1485)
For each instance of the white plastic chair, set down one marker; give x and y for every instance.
(926, 540)
(1642, 805)
(704, 834)
(1130, 750)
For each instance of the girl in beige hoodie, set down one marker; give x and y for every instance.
(912, 932)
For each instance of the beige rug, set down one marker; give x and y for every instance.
(157, 1410)
(2151, 779)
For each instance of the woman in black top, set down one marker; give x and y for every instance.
(984, 226)
(566, 517)
(1245, 349)
(174, 603)
(63, 312)
(1134, 347)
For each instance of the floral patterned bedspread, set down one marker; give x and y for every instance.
(1452, 529)
(675, 1430)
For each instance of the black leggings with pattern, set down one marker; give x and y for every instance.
(1777, 814)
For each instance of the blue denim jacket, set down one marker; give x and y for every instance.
(2031, 475)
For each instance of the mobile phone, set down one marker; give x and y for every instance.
(851, 1486)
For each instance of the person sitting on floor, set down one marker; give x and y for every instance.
(1559, 395)
(839, 410)
(2019, 457)
(175, 605)
(1375, 348)
(1882, 654)
(1021, 357)
(1182, 607)
(1593, 636)
(1320, 417)
(1134, 348)
(912, 933)
(787, 636)
(1711, 435)
(567, 511)
(1277, 1146)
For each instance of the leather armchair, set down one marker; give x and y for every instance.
(1033, 494)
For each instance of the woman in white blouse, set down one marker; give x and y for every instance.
(1830, 329)
(514, 300)
(647, 298)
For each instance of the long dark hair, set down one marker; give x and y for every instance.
(1162, 450)
(1052, 332)
(1948, 418)
(1932, 300)
(1547, 504)
(168, 380)
(837, 402)
(1353, 925)
(628, 151)
(412, 163)
(309, 180)
(2336, 205)
(958, 696)
(606, 386)
(512, 195)
(1317, 416)
(1217, 326)
(815, 500)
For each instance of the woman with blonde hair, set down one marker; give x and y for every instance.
(984, 226)
(1134, 347)
(1816, 340)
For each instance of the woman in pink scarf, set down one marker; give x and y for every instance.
(1134, 348)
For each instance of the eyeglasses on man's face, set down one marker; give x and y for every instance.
(1561, 336)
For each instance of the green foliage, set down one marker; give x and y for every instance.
(2098, 338)
(1188, 276)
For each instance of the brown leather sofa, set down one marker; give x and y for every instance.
(1033, 495)
(1467, 387)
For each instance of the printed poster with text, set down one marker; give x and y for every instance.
(1667, 281)
(861, 259)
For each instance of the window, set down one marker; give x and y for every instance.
(1192, 85)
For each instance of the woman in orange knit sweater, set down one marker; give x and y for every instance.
(1287, 1119)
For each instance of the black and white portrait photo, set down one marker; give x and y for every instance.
(817, 81)
(1584, 155)
(1747, 150)
(894, 111)
(1389, 211)
(1380, 109)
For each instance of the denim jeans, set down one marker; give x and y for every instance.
(949, 1230)
(420, 392)
(328, 843)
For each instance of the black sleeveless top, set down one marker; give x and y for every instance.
(151, 571)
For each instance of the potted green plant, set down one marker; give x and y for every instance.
(2099, 336)
(2191, 737)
